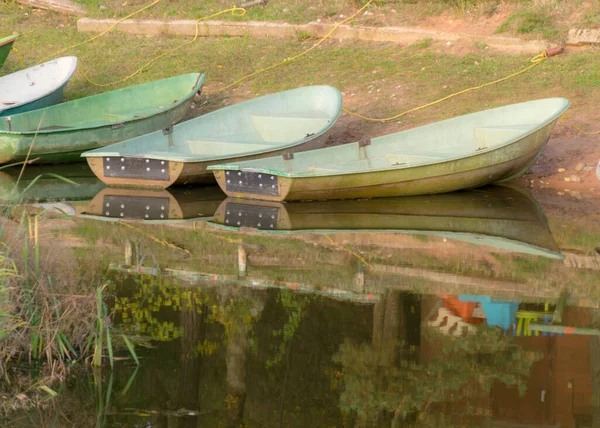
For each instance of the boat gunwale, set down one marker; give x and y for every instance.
(198, 84)
(545, 252)
(554, 117)
(9, 39)
(73, 67)
(190, 159)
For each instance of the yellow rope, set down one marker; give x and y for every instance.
(537, 60)
(568, 117)
(157, 240)
(102, 33)
(19, 56)
(288, 60)
(355, 254)
(561, 239)
(234, 11)
(228, 239)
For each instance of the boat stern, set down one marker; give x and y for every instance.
(122, 171)
(259, 215)
(253, 184)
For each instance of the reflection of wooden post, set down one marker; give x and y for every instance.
(192, 321)
(359, 278)
(386, 325)
(128, 252)
(242, 258)
(235, 358)
(378, 316)
(595, 371)
(560, 307)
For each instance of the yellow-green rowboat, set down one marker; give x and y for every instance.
(464, 152)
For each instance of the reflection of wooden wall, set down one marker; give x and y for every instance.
(563, 373)
(508, 406)
(559, 388)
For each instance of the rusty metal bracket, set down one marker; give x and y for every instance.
(288, 156)
(168, 130)
(554, 51)
(364, 142)
(118, 125)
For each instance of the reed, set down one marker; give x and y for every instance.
(47, 320)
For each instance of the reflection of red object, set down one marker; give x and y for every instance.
(461, 309)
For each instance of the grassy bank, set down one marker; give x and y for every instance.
(544, 18)
(378, 79)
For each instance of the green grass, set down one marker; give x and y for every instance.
(540, 22)
(406, 77)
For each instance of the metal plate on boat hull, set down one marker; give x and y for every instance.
(127, 167)
(251, 182)
(133, 207)
(254, 216)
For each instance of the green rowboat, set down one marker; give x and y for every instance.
(155, 205)
(501, 217)
(68, 129)
(6, 44)
(265, 126)
(464, 152)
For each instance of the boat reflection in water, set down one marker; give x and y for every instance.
(155, 206)
(505, 218)
(49, 186)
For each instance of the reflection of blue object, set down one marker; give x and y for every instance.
(499, 314)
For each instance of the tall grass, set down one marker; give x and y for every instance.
(47, 320)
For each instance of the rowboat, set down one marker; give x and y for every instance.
(481, 148)
(35, 87)
(264, 126)
(154, 205)
(62, 132)
(501, 217)
(6, 44)
(38, 184)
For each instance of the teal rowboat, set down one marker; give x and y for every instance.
(155, 205)
(265, 126)
(500, 217)
(6, 44)
(68, 129)
(35, 87)
(464, 152)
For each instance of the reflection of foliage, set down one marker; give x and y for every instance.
(468, 366)
(152, 296)
(293, 304)
(146, 311)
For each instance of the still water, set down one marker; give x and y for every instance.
(477, 308)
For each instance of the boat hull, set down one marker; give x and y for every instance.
(186, 173)
(46, 101)
(502, 164)
(40, 184)
(6, 45)
(36, 87)
(58, 147)
(506, 218)
(274, 124)
(154, 205)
